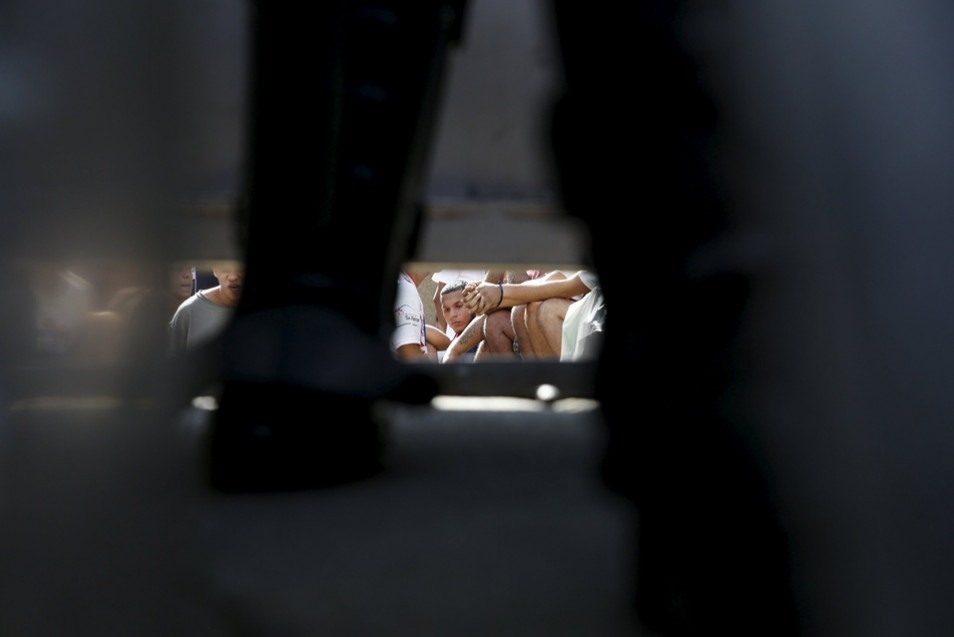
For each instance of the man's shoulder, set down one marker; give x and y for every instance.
(189, 302)
(198, 302)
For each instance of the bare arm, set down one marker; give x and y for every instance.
(471, 336)
(485, 297)
(436, 338)
(438, 313)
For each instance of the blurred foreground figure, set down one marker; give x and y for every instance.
(711, 554)
(355, 84)
(95, 490)
(785, 432)
(784, 426)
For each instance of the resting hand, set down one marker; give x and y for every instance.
(471, 297)
(477, 296)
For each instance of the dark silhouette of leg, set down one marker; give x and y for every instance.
(341, 111)
(711, 554)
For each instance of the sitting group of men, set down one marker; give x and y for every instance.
(479, 316)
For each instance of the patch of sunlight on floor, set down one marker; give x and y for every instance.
(510, 403)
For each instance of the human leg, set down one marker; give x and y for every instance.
(547, 326)
(711, 550)
(308, 332)
(498, 336)
(518, 318)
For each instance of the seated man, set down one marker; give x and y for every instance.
(547, 300)
(457, 317)
(444, 278)
(504, 332)
(523, 341)
(499, 333)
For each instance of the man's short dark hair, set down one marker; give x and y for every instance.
(456, 286)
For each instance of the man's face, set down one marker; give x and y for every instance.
(455, 312)
(230, 276)
(180, 282)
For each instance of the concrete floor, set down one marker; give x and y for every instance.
(489, 519)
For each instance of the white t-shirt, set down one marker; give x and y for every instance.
(589, 279)
(409, 317)
(583, 324)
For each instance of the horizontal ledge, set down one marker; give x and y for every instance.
(520, 379)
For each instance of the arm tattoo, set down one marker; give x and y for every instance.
(472, 334)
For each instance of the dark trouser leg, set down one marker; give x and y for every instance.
(342, 103)
(710, 553)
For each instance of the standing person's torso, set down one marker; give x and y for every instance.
(197, 320)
